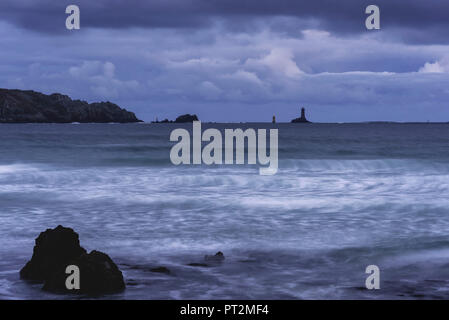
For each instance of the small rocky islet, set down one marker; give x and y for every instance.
(185, 118)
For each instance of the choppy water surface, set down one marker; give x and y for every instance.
(345, 196)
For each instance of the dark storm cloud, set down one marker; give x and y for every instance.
(413, 20)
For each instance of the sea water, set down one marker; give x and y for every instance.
(345, 196)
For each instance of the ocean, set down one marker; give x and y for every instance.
(345, 196)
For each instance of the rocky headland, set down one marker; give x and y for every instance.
(20, 106)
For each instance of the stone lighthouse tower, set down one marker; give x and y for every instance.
(302, 118)
(303, 114)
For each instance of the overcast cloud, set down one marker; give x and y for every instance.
(235, 60)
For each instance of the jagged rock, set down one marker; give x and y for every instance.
(195, 264)
(186, 118)
(161, 270)
(218, 257)
(146, 268)
(212, 261)
(54, 249)
(98, 275)
(19, 106)
(58, 248)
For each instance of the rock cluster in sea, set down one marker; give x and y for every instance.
(55, 249)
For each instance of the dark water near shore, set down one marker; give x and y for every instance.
(345, 196)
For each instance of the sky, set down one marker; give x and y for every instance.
(235, 60)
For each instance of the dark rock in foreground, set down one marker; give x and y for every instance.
(212, 260)
(98, 275)
(54, 249)
(58, 248)
(196, 264)
(218, 257)
(160, 270)
(19, 106)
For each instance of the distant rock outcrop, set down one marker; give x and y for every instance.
(58, 248)
(302, 119)
(19, 106)
(185, 118)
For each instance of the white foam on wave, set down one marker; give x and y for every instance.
(243, 188)
(361, 165)
(16, 168)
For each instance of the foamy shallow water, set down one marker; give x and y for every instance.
(345, 196)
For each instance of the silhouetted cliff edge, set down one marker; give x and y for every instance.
(19, 106)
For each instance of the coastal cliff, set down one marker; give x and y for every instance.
(19, 106)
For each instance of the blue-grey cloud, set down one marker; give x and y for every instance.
(234, 61)
(226, 76)
(413, 21)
